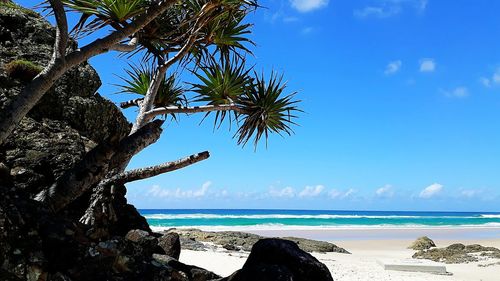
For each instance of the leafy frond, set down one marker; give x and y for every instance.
(221, 82)
(220, 26)
(139, 79)
(267, 110)
(99, 13)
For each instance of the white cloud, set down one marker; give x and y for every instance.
(308, 5)
(389, 8)
(496, 77)
(287, 192)
(338, 194)
(469, 193)
(393, 67)
(385, 191)
(494, 80)
(311, 191)
(334, 193)
(421, 5)
(485, 81)
(427, 65)
(349, 192)
(458, 92)
(307, 30)
(377, 12)
(431, 191)
(157, 191)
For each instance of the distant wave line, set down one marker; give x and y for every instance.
(286, 216)
(490, 216)
(279, 226)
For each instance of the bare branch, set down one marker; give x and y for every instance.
(149, 98)
(130, 103)
(61, 30)
(148, 172)
(129, 47)
(194, 109)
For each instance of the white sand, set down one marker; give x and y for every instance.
(362, 263)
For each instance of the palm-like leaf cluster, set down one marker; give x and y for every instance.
(218, 29)
(263, 105)
(99, 13)
(139, 79)
(221, 83)
(267, 109)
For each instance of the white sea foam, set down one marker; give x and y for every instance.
(491, 216)
(280, 216)
(277, 226)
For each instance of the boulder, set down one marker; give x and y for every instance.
(309, 246)
(459, 253)
(274, 259)
(192, 273)
(422, 243)
(171, 244)
(245, 241)
(230, 247)
(192, 244)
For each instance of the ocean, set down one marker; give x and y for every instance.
(311, 219)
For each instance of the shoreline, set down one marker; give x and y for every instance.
(357, 234)
(362, 263)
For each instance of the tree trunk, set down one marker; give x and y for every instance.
(96, 166)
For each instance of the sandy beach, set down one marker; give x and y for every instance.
(367, 247)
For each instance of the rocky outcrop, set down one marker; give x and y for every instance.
(280, 260)
(459, 253)
(234, 240)
(171, 244)
(422, 243)
(190, 272)
(69, 121)
(63, 126)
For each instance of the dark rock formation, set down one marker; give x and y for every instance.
(459, 253)
(63, 126)
(422, 243)
(192, 244)
(280, 260)
(191, 272)
(171, 244)
(310, 246)
(241, 240)
(68, 122)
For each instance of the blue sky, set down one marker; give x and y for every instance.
(402, 112)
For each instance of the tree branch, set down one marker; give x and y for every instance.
(61, 30)
(94, 167)
(130, 103)
(148, 172)
(194, 109)
(149, 98)
(103, 45)
(129, 47)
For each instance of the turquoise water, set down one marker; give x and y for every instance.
(316, 218)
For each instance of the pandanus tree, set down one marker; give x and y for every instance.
(206, 38)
